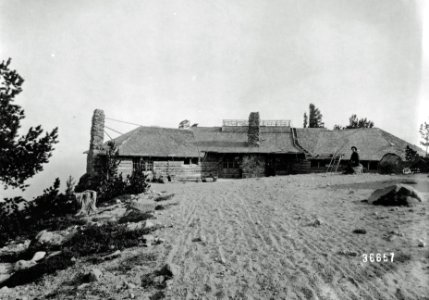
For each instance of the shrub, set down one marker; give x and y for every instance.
(253, 166)
(19, 217)
(108, 183)
(137, 183)
(88, 241)
(104, 239)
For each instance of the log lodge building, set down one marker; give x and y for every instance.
(197, 152)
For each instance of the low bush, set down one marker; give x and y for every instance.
(104, 239)
(88, 241)
(109, 183)
(137, 182)
(19, 217)
(252, 166)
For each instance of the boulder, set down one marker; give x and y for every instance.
(4, 277)
(168, 271)
(396, 195)
(135, 226)
(15, 247)
(6, 268)
(94, 275)
(23, 265)
(38, 256)
(149, 240)
(358, 169)
(50, 238)
(148, 224)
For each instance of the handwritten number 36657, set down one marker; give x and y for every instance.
(378, 257)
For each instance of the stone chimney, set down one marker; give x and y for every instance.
(96, 140)
(253, 130)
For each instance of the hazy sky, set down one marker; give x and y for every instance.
(158, 62)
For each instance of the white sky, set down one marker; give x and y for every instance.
(158, 62)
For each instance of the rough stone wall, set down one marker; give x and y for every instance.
(254, 129)
(96, 140)
(97, 130)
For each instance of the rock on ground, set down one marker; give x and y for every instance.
(52, 238)
(396, 195)
(358, 169)
(4, 277)
(23, 265)
(6, 268)
(168, 271)
(38, 256)
(15, 247)
(94, 275)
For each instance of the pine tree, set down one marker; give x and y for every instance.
(410, 154)
(355, 122)
(21, 157)
(315, 117)
(305, 120)
(424, 132)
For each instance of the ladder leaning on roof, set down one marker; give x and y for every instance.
(336, 159)
(335, 163)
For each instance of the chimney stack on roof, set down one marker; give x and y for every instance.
(96, 140)
(97, 130)
(253, 129)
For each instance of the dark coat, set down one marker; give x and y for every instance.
(354, 159)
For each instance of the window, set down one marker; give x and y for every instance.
(191, 161)
(229, 163)
(140, 164)
(137, 164)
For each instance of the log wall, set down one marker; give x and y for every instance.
(179, 171)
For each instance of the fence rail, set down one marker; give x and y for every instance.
(268, 123)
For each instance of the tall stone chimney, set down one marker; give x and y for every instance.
(253, 130)
(96, 140)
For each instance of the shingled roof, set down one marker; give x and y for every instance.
(321, 143)
(157, 142)
(373, 143)
(234, 140)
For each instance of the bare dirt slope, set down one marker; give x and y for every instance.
(272, 238)
(254, 239)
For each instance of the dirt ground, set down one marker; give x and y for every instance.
(285, 237)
